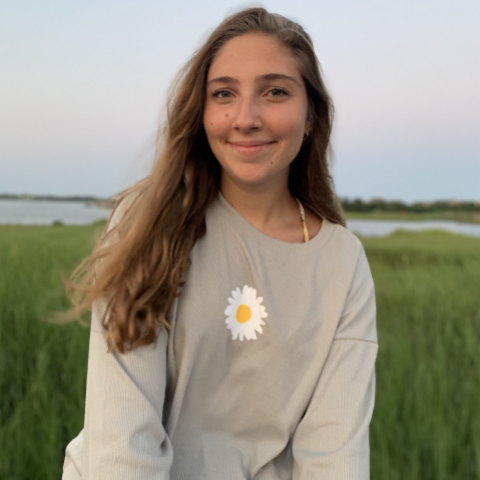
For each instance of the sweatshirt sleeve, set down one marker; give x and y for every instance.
(331, 441)
(123, 435)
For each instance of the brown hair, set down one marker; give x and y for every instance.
(143, 253)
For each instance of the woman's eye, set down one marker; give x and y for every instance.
(222, 94)
(278, 92)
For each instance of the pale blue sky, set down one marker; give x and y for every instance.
(83, 84)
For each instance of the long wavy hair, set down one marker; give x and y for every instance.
(139, 262)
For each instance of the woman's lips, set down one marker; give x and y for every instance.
(250, 147)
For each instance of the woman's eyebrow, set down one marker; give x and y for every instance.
(223, 80)
(278, 76)
(267, 76)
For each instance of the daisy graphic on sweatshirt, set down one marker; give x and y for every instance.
(245, 313)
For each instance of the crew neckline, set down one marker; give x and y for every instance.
(251, 233)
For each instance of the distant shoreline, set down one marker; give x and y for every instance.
(462, 212)
(98, 201)
(52, 198)
(459, 217)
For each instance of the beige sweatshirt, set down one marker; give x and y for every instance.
(267, 373)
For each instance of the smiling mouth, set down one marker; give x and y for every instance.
(250, 147)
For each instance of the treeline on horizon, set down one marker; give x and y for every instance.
(356, 205)
(50, 198)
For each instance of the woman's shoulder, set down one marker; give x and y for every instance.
(344, 236)
(119, 221)
(342, 244)
(124, 202)
(338, 236)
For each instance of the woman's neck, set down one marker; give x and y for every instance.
(270, 208)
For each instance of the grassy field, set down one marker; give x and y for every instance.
(426, 423)
(42, 366)
(427, 417)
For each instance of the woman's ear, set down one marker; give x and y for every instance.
(307, 130)
(308, 124)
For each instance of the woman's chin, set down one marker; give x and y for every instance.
(253, 179)
(249, 175)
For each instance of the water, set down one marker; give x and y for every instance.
(382, 228)
(31, 212)
(26, 212)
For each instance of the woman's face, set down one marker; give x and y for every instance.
(256, 109)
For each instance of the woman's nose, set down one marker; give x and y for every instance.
(248, 115)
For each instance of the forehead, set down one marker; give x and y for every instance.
(253, 54)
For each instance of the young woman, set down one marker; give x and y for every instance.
(233, 331)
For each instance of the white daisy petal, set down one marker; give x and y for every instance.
(245, 313)
(251, 335)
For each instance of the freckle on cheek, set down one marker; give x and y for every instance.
(226, 115)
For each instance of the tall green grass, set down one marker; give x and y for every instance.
(42, 366)
(426, 423)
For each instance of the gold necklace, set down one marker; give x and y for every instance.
(304, 223)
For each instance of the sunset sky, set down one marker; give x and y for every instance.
(83, 86)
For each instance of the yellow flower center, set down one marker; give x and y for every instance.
(243, 313)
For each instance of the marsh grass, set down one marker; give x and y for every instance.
(42, 366)
(426, 423)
